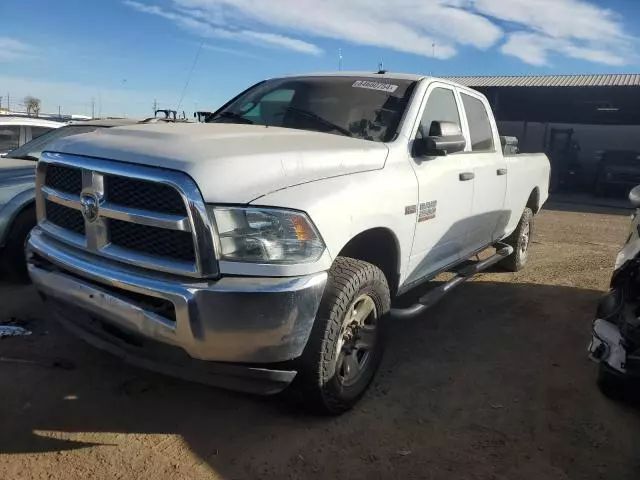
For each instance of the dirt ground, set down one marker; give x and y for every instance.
(493, 383)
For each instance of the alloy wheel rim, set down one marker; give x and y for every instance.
(524, 240)
(358, 337)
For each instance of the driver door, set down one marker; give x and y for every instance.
(445, 193)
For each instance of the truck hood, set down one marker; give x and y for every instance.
(231, 163)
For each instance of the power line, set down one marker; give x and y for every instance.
(193, 66)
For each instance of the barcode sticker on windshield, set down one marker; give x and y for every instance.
(383, 87)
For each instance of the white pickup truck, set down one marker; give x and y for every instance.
(264, 247)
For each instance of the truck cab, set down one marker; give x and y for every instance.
(262, 249)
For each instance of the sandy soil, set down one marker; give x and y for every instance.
(493, 383)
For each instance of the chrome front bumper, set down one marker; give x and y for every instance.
(233, 319)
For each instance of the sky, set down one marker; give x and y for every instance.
(118, 57)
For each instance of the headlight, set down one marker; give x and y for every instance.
(265, 235)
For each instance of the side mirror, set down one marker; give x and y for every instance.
(509, 145)
(634, 196)
(444, 138)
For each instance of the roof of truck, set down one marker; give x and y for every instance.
(386, 75)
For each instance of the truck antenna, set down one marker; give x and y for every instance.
(186, 84)
(433, 56)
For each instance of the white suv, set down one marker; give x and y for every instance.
(16, 131)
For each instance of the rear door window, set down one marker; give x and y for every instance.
(479, 125)
(9, 137)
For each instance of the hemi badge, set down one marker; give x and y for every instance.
(410, 210)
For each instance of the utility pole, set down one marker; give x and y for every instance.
(155, 105)
(0, 103)
(59, 114)
(93, 107)
(8, 102)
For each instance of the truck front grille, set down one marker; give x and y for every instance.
(142, 195)
(64, 179)
(142, 217)
(152, 240)
(66, 218)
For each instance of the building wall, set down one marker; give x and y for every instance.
(591, 138)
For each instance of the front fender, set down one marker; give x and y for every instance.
(343, 207)
(15, 204)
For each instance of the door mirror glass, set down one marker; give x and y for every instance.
(444, 138)
(634, 196)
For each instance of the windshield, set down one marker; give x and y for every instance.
(366, 108)
(33, 149)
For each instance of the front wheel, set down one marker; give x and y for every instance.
(520, 240)
(347, 340)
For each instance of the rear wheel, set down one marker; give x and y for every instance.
(520, 240)
(12, 258)
(347, 340)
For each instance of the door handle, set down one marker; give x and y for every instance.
(465, 176)
(501, 171)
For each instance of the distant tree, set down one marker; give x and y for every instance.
(32, 104)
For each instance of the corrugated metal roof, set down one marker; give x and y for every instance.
(609, 80)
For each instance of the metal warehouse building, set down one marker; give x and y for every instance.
(580, 121)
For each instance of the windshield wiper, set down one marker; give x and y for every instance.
(231, 115)
(23, 157)
(319, 119)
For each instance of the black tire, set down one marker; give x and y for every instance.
(520, 240)
(13, 263)
(325, 382)
(611, 383)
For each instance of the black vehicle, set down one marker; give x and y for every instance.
(618, 170)
(616, 331)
